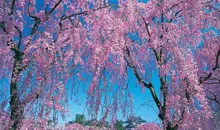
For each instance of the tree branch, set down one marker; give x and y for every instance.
(203, 79)
(12, 7)
(55, 6)
(142, 82)
(214, 98)
(85, 12)
(147, 28)
(20, 36)
(2, 26)
(29, 13)
(208, 5)
(173, 6)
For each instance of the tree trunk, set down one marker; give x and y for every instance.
(15, 104)
(16, 108)
(169, 127)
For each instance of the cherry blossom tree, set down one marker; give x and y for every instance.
(43, 47)
(175, 36)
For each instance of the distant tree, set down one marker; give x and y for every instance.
(119, 125)
(49, 122)
(70, 122)
(80, 119)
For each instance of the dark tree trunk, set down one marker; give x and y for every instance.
(171, 128)
(16, 108)
(15, 104)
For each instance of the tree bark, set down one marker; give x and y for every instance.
(171, 128)
(15, 104)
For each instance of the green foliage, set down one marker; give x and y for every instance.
(80, 119)
(119, 125)
(49, 122)
(88, 123)
(70, 122)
